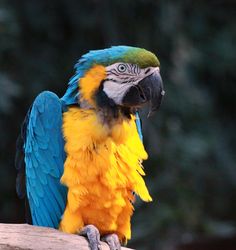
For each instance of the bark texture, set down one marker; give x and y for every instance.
(27, 237)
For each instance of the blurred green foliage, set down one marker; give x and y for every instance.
(191, 141)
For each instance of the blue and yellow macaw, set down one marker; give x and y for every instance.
(79, 158)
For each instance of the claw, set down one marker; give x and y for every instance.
(113, 241)
(93, 235)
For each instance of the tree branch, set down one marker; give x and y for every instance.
(27, 237)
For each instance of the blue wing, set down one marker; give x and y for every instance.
(44, 160)
(139, 125)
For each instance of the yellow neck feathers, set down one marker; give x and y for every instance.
(99, 150)
(102, 169)
(90, 83)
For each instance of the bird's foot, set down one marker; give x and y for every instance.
(93, 235)
(113, 241)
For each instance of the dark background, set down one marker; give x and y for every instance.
(191, 141)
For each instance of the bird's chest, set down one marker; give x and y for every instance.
(103, 165)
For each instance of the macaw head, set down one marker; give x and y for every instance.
(120, 77)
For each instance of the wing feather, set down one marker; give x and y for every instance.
(44, 160)
(139, 125)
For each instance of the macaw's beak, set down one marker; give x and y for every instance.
(150, 89)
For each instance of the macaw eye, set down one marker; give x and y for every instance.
(121, 68)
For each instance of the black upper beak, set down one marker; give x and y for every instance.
(150, 89)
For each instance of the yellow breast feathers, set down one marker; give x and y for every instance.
(102, 169)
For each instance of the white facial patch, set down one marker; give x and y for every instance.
(121, 77)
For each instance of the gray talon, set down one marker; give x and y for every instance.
(93, 235)
(113, 241)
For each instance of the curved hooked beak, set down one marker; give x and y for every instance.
(149, 89)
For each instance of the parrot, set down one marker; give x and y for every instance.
(79, 157)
